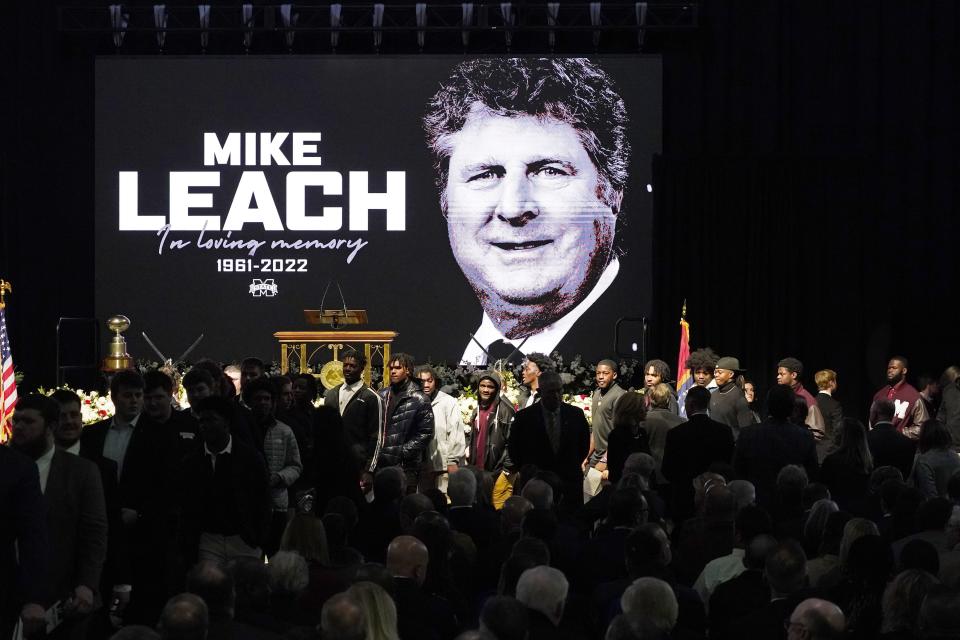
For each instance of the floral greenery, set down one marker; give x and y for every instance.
(577, 375)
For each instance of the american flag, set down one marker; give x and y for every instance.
(8, 384)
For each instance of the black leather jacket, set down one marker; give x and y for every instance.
(496, 458)
(408, 430)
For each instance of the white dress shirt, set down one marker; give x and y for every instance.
(43, 467)
(213, 456)
(117, 440)
(74, 448)
(347, 391)
(533, 397)
(548, 338)
(718, 571)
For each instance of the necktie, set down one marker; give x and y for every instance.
(500, 350)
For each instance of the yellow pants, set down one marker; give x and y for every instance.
(502, 489)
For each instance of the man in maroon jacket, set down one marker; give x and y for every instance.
(909, 410)
(789, 372)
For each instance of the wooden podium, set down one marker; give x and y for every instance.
(303, 346)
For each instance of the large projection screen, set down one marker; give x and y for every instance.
(503, 197)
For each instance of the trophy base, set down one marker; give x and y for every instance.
(117, 363)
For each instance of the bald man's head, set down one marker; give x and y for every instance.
(817, 619)
(184, 617)
(343, 618)
(407, 557)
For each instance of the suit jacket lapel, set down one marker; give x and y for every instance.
(333, 395)
(56, 477)
(138, 440)
(546, 434)
(93, 448)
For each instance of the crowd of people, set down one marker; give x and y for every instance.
(382, 514)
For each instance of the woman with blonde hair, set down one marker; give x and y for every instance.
(854, 530)
(380, 610)
(306, 535)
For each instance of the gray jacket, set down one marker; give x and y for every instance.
(283, 458)
(601, 416)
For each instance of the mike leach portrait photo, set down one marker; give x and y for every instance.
(532, 160)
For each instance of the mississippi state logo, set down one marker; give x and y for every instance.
(263, 288)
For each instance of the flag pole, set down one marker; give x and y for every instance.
(5, 288)
(684, 350)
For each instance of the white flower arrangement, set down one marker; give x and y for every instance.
(581, 401)
(93, 406)
(467, 403)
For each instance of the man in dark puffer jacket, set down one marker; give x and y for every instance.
(408, 424)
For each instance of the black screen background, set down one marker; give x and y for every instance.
(150, 117)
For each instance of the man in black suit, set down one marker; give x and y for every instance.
(888, 446)
(224, 491)
(76, 515)
(115, 578)
(145, 456)
(552, 435)
(830, 407)
(764, 449)
(534, 364)
(465, 516)
(419, 615)
(361, 410)
(23, 544)
(691, 448)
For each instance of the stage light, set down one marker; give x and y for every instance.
(246, 12)
(553, 10)
(506, 11)
(595, 20)
(641, 10)
(467, 8)
(160, 17)
(421, 9)
(377, 25)
(204, 14)
(289, 19)
(119, 22)
(336, 17)
(649, 188)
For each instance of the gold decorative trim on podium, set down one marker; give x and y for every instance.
(297, 344)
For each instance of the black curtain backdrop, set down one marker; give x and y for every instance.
(805, 201)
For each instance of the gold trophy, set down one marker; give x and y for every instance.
(119, 359)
